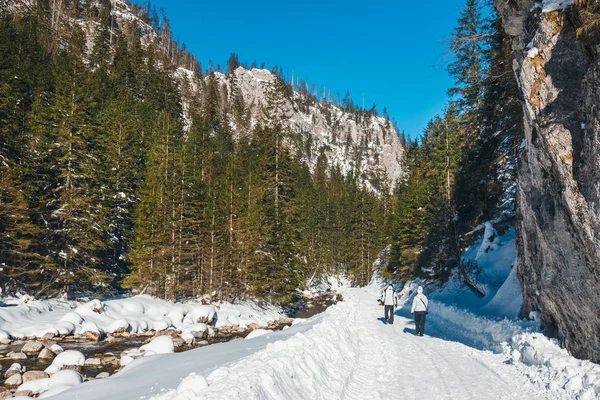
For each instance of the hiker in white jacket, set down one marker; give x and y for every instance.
(420, 308)
(390, 302)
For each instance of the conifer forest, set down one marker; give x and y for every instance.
(117, 173)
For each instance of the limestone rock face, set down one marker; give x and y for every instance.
(558, 202)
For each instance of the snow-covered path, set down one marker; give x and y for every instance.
(345, 353)
(394, 363)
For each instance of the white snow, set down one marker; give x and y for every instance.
(57, 383)
(36, 387)
(533, 52)
(68, 357)
(554, 5)
(257, 333)
(136, 315)
(348, 353)
(158, 345)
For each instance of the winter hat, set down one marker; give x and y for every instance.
(420, 289)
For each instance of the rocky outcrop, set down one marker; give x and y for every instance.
(559, 171)
(352, 141)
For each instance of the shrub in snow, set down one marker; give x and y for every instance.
(158, 345)
(69, 357)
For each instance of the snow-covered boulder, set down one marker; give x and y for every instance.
(158, 345)
(119, 325)
(36, 386)
(72, 317)
(68, 357)
(89, 330)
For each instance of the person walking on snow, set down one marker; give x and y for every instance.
(420, 308)
(390, 302)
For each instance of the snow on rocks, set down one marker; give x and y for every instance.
(158, 345)
(61, 381)
(4, 336)
(554, 5)
(35, 386)
(89, 330)
(66, 358)
(307, 365)
(56, 349)
(138, 315)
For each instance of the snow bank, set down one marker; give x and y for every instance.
(475, 330)
(308, 365)
(552, 367)
(494, 258)
(257, 332)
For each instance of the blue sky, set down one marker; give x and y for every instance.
(393, 52)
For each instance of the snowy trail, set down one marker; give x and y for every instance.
(393, 363)
(345, 353)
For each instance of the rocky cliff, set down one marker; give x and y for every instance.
(559, 171)
(358, 142)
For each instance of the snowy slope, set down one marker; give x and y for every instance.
(494, 256)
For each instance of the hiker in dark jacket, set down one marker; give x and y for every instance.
(420, 307)
(390, 302)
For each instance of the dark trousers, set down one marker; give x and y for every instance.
(420, 322)
(389, 314)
